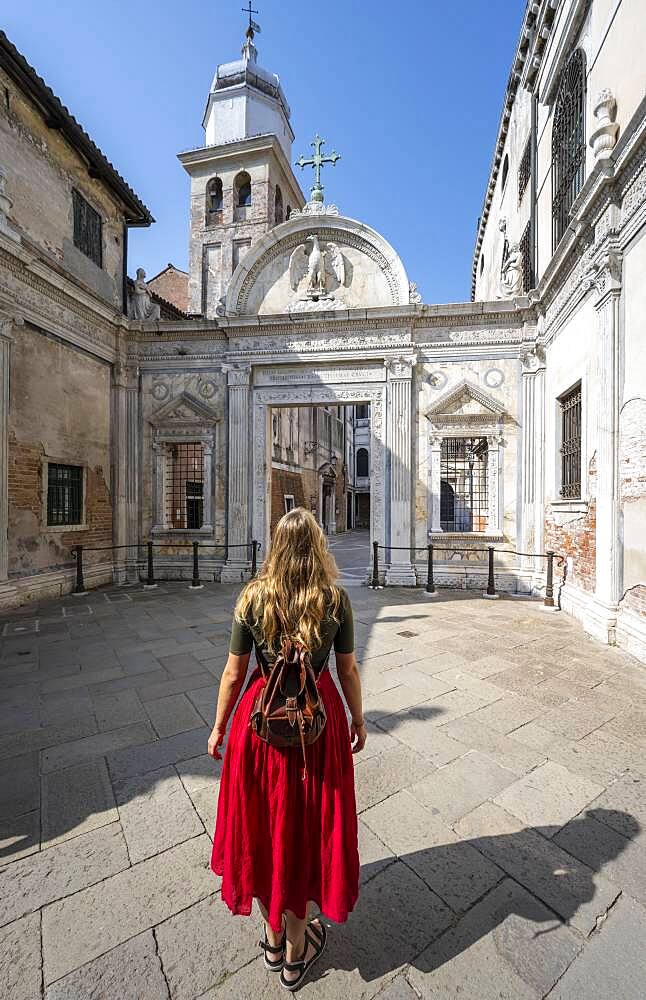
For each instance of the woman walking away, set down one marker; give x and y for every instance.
(286, 828)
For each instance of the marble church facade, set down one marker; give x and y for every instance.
(318, 309)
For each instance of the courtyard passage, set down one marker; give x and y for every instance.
(501, 798)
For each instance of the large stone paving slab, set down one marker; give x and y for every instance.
(458, 787)
(454, 870)
(508, 946)
(131, 969)
(613, 963)
(75, 801)
(20, 961)
(91, 922)
(60, 871)
(156, 813)
(580, 896)
(548, 797)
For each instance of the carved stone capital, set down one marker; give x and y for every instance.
(532, 358)
(237, 375)
(400, 367)
(604, 275)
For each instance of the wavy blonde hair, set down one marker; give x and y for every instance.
(298, 576)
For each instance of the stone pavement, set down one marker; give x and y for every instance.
(502, 800)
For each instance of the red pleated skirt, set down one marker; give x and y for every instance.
(282, 839)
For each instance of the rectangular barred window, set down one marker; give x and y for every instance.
(184, 486)
(525, 247)
(87, 229)
(570, 404)
(463, 484)
(64, 494)
(524, 171)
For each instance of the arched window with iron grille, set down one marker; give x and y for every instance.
(362, 463)
(568, 143)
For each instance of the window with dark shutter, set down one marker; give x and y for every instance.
(570, 404)
(87, 229)
(64, 494)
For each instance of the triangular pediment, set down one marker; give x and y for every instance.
(466, 400)
(185, 410)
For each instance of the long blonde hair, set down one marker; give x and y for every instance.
(297, 577)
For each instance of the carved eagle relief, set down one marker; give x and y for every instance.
(322, 266)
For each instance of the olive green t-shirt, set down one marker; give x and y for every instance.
(245, 636)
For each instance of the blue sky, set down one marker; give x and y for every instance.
(410, 96)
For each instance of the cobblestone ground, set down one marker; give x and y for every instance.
(502, 801)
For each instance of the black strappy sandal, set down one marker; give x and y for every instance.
(274, 964)
(316, 936)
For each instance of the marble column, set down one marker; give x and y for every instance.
(399, 432)
(5, 362)
(207, 488)
(607, 282)
(125, 390)
(494, 461)
(239, 484)
(532, 464)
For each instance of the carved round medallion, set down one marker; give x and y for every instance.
(436, 380)
(494, 377)
(160, 391)
(207, 389)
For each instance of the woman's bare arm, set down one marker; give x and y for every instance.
(348, 671)
(231, 683)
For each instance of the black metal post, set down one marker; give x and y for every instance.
(549, 584)
(254, 557)
(150, 582)
(491, 585)
(375, 566)
(430, 583)
(195, 582)
(80, 582)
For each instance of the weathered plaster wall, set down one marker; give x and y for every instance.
(60, 411)
(570, 526)
(42, 169)
(632, 431)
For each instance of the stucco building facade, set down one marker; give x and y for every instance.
(476, 417)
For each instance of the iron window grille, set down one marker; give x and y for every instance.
(64, 494)
(525, 247)
(524, 171)
(362, 463)
(88, 236)
(570, 404)
(184, 493)
(463, 484)
(568, 144)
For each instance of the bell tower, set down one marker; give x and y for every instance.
(242, 183)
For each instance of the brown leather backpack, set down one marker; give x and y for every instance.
(288, 711)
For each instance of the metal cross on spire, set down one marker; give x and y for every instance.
(254, 27)
(316, 162)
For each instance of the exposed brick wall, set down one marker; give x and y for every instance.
(172, 285)
(34, 548)
(282, 483)
(635, 599)
(577, 537)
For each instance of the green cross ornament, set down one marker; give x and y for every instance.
(316, 162)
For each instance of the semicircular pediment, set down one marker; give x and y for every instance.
(314, 263)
